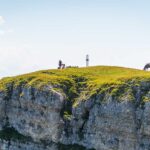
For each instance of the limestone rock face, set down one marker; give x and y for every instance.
(33, 119)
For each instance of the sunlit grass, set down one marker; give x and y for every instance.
(75, 81)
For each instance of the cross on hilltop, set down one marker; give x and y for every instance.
(61, 65)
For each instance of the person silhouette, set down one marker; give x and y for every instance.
(59, 64)
(146, 67)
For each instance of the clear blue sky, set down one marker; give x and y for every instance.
(35, 34)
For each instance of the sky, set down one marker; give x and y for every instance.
(35, 34)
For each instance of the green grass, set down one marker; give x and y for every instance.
(80, 83)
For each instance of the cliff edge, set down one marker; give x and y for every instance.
(93, 108)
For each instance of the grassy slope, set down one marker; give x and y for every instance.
(80, 81)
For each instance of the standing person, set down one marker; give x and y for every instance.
(59, 64)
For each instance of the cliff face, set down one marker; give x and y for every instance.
(32, 119)
(45, 119)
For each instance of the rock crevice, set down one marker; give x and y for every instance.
(45, 119)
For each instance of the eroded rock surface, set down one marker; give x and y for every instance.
(33, 119)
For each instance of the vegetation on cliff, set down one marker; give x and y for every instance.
(95, 84)
(80, 83)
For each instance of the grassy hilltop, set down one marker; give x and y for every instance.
(81, 82)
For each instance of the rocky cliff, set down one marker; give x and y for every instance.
(74, 110)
